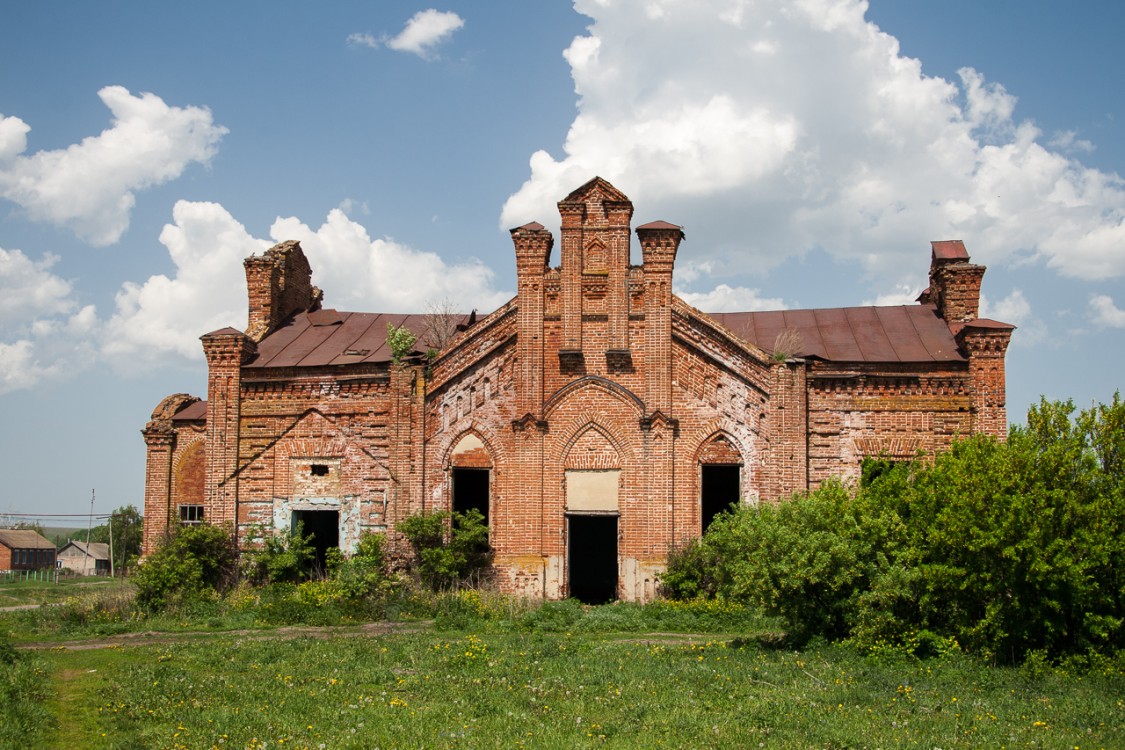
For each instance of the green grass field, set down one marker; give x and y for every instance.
(554, 690)
(488, 671)
(48, 592)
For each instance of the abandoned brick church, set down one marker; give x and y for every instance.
(596, 419)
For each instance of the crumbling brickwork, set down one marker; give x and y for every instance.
(595, 399)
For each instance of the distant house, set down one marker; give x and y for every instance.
(85, 559)
(24, 549)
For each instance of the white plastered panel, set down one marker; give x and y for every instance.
(592, 491)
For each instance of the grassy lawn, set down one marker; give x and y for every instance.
(557, 690)
(44, 592)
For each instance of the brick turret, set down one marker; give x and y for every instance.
(954, 282)
(278, 284)
(595, 243)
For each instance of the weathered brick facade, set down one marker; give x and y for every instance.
(594, 406)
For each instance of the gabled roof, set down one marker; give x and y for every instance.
(96, 550)
(604, 189)
(905, 333)
(331, 337)
(24, 539)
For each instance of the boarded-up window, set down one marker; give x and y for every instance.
(592, 491)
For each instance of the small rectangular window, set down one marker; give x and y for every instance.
(191, 515)
(319, 470)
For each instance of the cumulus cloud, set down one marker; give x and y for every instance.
(725, 298)
(90, 187)
(164, 316)
(425, 30)
(714, 115)
(44, 333)
(360, 273)
(1105, 313)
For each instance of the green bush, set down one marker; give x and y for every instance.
(282, 558)
(451, 548)
(364, 574)
(195, 562)
(1006, 548)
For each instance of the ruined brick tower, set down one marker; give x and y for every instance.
(596, 419)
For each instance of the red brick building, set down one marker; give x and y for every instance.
(596, 419)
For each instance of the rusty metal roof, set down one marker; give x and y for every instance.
(329, 337)
(194, 411)
(906, 333)
(24, 539)
(949, 250)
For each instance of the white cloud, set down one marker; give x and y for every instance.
(1105, 313)
(90, 187)
(359, 273)
(44, 334)
(425, 30)
(363, 40)
(1014, 308)
(722, 121)
(164, 317)
(29, 291)
(904, 293)
(725, 298)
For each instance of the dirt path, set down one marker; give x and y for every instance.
(370, 629)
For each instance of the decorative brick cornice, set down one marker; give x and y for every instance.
(899, 447)
(984, 342)
(159, 435)
(228, 347)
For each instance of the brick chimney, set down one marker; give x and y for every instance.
(279, 284)
(954, 282)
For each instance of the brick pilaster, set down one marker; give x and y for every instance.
(659, 243)
(226, 351)
(160, 441)
(571, 271)
(788, 465)
(533, 246)
(986, 345)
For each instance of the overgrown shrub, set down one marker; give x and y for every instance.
(284, 557)
(196, 561)
(451, 548)
(364, 574)
(1006, 548)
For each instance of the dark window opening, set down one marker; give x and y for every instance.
(719, 490)
(470, 491)
(191, 515)
(319, 470)
(324, 528)
(592, 558)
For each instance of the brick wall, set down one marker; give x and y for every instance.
(595, 366)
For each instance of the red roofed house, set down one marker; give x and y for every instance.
(596, 419)
(25, 549)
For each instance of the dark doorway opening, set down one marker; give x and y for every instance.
(470, 491)
(720, 490)
(592, 558)
(324, 526)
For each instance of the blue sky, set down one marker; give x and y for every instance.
(810, 149)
